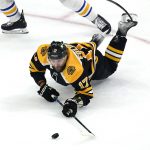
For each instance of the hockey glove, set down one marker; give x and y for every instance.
(70, 105)
(82, 100)
(70, 108)
(49, 93)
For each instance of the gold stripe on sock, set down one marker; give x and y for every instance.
(10, 11)
(85, 10)
(112, 58)
(115, 50)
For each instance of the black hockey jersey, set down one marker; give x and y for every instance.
(80, 67)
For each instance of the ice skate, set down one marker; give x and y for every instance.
(126, 23)
(18, 27)
(102, 24)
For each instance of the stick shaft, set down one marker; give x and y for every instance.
(76, 119)
(121, 8)
(83, 125)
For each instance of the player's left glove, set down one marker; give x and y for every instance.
(71, 105)
(70, 108)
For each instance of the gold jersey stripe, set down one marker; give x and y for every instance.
(96, 59)
(112, 58)
(34, 69)
(87, 45)
(115, 50)
(86, 91)
(88, 94)
(89, 55)
(93, 43)
(93, 68)
(79, 46)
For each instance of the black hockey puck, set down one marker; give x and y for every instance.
(55, 135)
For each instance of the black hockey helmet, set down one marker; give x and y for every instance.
(57, 50)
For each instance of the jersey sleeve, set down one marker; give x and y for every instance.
(77, 70)
(37, 65)
(83, 89)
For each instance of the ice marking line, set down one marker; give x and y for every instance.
(59, 19)
(67, 15)
(140, 39)
(62, 19)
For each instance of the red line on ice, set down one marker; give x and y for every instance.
(62, 19)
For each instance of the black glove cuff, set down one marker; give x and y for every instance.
(42, 89)
(49, 93)
(70, 108)
(82, 100)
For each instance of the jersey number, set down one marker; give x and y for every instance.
(84, 83)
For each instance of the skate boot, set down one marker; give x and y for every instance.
(18, 27)
(126, 23)
(102, 24)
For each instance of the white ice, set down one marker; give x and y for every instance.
(119, 113)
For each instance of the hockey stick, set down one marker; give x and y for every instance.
(121, 8)
(76, 119)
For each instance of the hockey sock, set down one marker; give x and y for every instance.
(82, 7)
(10, 10)
(116, 48)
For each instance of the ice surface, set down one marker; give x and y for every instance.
(119, 114)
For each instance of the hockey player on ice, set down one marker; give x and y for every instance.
(77, 64)
(84, 9)
(17, 23)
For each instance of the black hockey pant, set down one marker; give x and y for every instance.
(106, 66)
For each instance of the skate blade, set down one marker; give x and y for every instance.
(16, 31)
(125, 17)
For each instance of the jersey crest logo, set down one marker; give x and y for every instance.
(43, 51)
(71, 70)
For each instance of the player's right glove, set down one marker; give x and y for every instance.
(49, 93)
